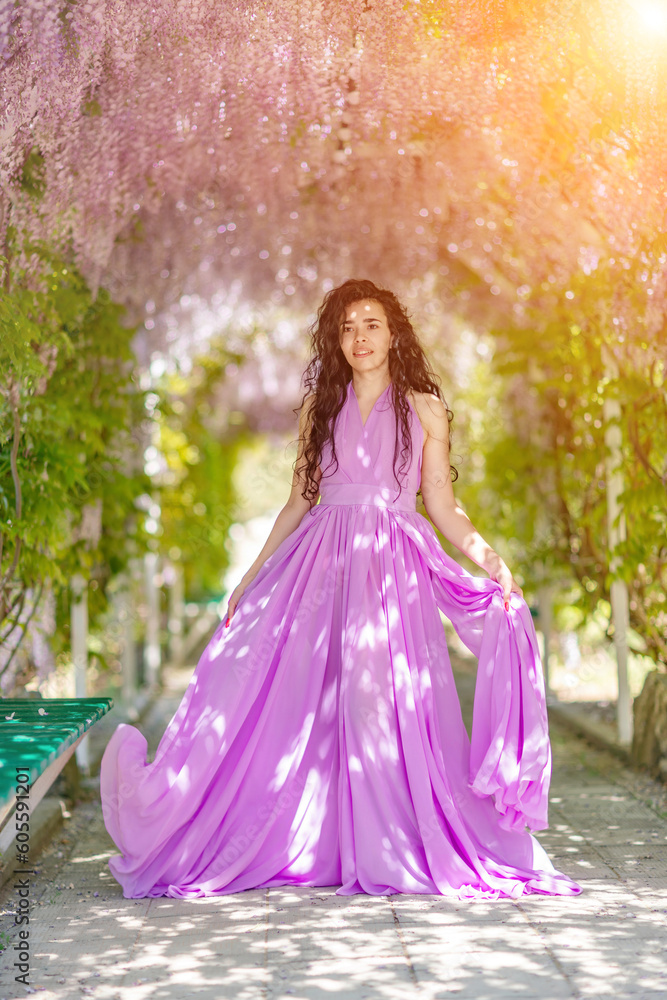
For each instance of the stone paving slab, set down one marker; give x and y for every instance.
(291, 943)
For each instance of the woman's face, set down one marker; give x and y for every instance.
(365, 337)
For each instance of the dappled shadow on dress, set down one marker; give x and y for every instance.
(320, 739)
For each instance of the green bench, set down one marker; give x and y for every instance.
(39, 735)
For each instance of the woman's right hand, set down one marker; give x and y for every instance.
(234, 599)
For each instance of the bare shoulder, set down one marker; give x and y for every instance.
(304, 415)
(432, 413)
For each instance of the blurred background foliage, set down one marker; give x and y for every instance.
(71, 427)
(537, 429)
(174, 202)
(199, 448)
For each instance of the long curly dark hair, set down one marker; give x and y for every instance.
(328, 374)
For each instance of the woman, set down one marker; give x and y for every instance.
(320, 740)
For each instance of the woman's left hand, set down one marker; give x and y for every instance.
(501, 574)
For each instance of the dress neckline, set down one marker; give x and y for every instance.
(373, 406)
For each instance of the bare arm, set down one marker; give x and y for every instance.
(291, 514)
(440, 502)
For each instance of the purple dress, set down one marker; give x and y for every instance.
(320, 740)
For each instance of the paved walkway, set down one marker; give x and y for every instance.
(285, 944)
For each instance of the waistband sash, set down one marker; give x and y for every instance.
(367, 493)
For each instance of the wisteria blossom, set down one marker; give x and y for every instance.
(178, 145)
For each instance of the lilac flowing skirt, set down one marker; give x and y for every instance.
(320, 740)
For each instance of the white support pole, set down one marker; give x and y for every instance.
(152, 641)
(176, 612)
(79, 644)
(616, 530)
(545, 623)
(127, 611)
